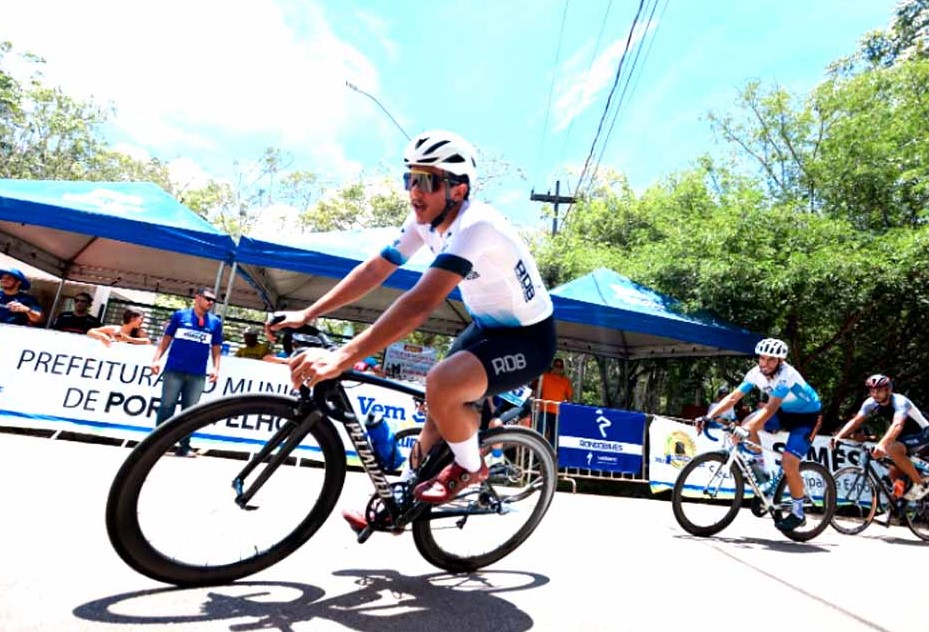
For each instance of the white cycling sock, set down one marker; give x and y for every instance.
(407, 474)
(467, 453)
(798, 507)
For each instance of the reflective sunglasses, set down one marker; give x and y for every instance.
(427, 182)
(208, 299)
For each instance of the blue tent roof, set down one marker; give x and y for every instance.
(641, 320)
(126, 234)
(135, 212)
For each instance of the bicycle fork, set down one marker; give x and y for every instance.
(287, 438)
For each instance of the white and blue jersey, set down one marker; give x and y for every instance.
(898, 405)
(501, 285)
(786, 384)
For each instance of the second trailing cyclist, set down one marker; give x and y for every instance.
(511, 339)
(907, 433)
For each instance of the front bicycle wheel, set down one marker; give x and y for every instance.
(707, 495)
(185, 521)
(485, 523)
(818, 501)
(856, 500)
(916, 515)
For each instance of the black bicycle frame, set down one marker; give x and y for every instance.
(894, 504)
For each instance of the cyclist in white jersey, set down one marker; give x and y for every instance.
(792, 405)
(511, 339)
(907, 433)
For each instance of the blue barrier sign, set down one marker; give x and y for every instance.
(601, 439)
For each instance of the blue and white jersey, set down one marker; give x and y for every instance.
(501, 284)
(786, 384)
(193, 339)
(899, 404)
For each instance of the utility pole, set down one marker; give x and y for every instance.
(554, 199)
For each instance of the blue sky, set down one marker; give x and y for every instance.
(204, 83)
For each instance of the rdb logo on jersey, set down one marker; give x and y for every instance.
(508, 363)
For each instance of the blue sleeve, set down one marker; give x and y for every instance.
(218, 333)
(173, 324)
(746, 387)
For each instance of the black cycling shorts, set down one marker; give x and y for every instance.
(511, 356)
(915, 442)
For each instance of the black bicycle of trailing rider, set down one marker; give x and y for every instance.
(709, 490)
(864, 492)
(247, 504)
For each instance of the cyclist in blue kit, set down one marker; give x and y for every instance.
(511, 339)
(792, 405)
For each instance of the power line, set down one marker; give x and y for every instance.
(609, 99)
(622, 97)
(389, 115)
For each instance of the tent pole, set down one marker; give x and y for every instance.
(229, 288)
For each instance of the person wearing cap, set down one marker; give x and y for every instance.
(79, 320)
(17, 307)
(729, 414)
(253, 349)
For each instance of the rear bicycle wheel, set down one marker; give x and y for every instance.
(487, 522)
(707, 496)
(177, 519)
(818, 502)
(916, 515)
(856, 500)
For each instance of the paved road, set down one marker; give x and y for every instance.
(596, 563)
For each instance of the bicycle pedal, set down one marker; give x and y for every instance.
(364, 534)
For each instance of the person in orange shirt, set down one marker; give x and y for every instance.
(554, 388)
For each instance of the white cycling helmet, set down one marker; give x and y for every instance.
(444, 150)
(772, 347)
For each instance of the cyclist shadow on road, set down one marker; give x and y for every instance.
(784, 546)
(384, 601)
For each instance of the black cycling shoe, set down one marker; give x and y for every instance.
(791, 522)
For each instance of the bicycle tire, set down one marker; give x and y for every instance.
(133, 542)
(824, 508)
(852, 514)
(686, 506)
(528, 472)
(916, 515)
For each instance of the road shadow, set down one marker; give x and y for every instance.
(783, 546)
(384, 601)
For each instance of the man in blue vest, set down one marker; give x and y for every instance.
(193, 334)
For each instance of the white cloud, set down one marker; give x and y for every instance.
(186, 174)
(181, 72)
(582, 86)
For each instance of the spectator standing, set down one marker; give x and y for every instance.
(79, 320)
(730, 413)
(193, 335)
(253, 349)
(554, 387)
(16, 306)
(130, 331)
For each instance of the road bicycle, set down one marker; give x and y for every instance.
(244, 505)
(864, 492)
(709, 490)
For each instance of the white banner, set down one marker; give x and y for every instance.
(673, 444)
(408, 362)
(63, 381)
